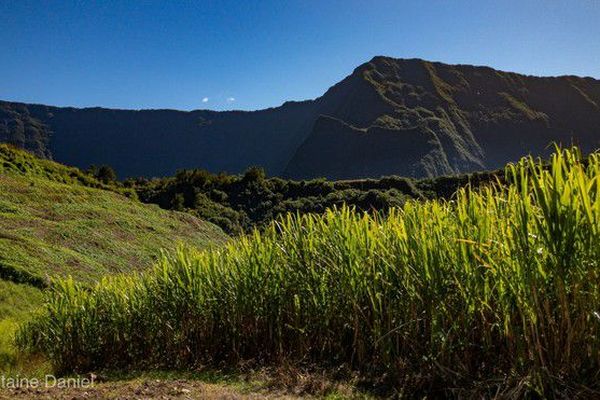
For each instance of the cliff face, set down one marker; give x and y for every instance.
(159, 142)
(19, 128)
(428, 119)
(390, 116)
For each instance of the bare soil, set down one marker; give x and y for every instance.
(143, 389)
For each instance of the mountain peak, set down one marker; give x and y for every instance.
(390, 116)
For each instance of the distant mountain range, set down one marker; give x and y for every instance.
(389, 117)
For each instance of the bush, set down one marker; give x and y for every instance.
(106, 174)
(178, 202)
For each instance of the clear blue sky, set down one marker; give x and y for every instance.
(250, 55)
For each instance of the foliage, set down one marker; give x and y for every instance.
(239, 204)
(497, 286)
(104, 173)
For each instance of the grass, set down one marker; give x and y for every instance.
(16, 161)
(16, 299)
(16, 302)
(496, 291)
(265, 382)
(56, 221)
(51, 228)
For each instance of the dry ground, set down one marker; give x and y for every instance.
(144, 389)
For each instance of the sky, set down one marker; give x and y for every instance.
(251, 55)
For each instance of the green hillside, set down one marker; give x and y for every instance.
(58, 221)
(53, 221)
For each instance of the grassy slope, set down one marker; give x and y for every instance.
(54, 221)
(58, 221)
(50, 228)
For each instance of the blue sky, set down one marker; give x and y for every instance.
(251, 55)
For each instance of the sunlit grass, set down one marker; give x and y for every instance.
(16, 301)
(499, 285)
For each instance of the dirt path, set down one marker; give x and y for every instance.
(143, 389)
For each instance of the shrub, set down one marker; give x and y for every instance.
(106, 174)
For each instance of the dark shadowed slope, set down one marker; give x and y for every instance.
(158, 142)
(418, 118)
(390, 116)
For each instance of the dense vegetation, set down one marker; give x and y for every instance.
(496, 289)
(239, 203)
(60, 221)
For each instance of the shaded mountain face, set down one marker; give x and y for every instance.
(19, 128)
(417, 118)
(159, 142)
(389, 117)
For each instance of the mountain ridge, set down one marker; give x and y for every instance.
(481, 66)
(394, 117)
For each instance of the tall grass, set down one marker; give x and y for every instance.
(502, 283)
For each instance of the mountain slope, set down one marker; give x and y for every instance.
(51, 224)
(443, 119)
(390, 116)
(158, 142)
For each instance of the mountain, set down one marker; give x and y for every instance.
(418, 118)
(389, 117)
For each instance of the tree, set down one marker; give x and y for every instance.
(178, 202)
(106, 174)
(254, 174)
